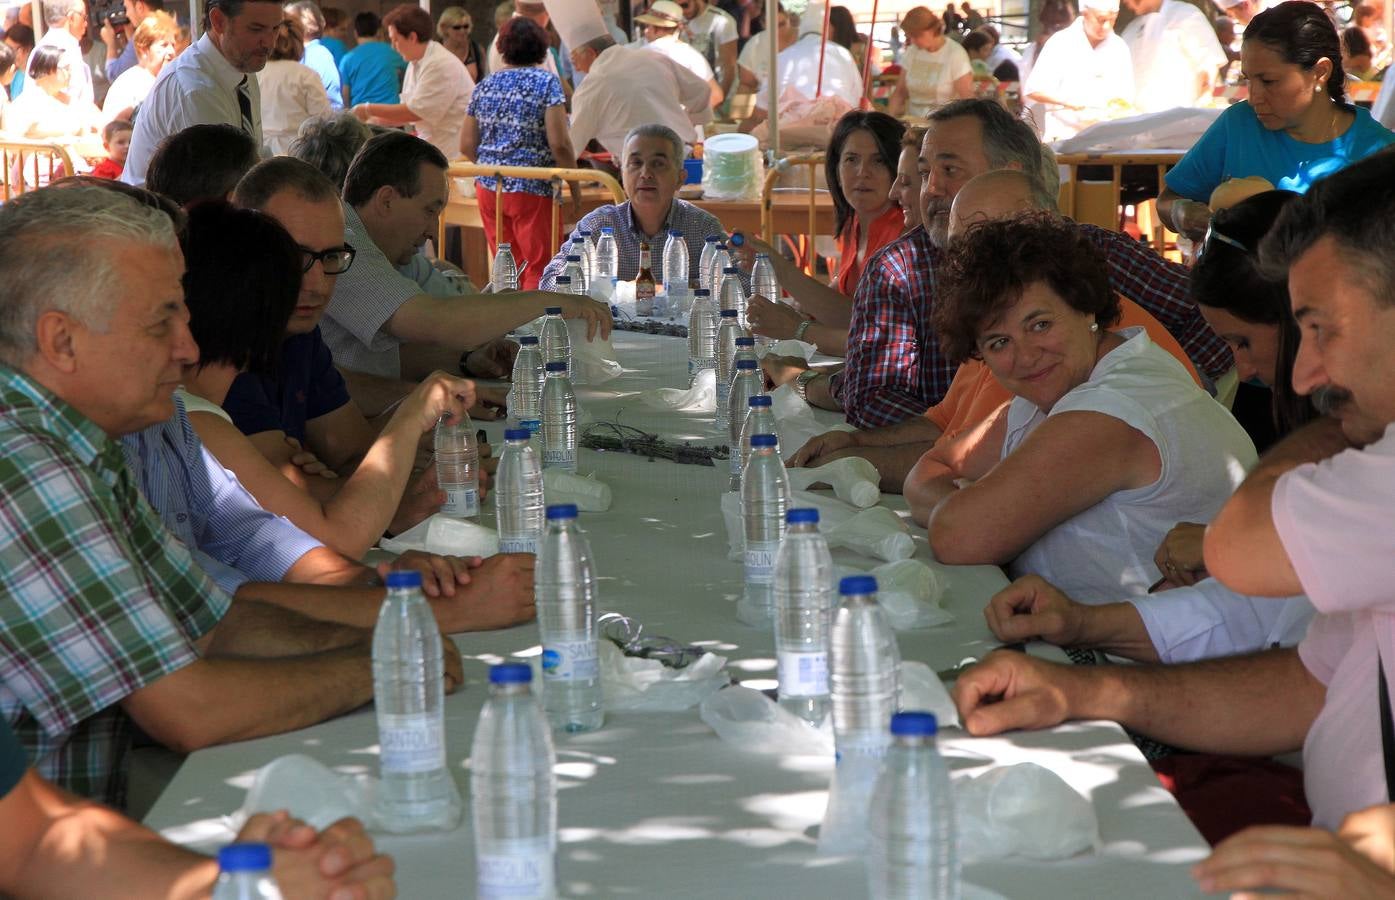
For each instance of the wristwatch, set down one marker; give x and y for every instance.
(463, 370)
(801, 382)
(801, 328)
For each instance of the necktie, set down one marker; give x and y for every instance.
(244, 103)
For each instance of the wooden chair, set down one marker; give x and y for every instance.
(26, 165)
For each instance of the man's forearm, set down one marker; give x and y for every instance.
(819, 393)
(1116, 628)
(917, 430)
(329, 567)
(278, 620)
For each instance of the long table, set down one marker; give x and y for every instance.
(655, 804)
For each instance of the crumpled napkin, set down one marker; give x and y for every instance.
(794, 420)
(593, 362)
(701, 397)
(447, 536)
(633, 683)
(310, 792)
(1022, 810)
(853, 479)
(876, 532)
(912, 593)
(750, 720)
(588, 492)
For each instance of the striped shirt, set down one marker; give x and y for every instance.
(97, 599)
(204, 505)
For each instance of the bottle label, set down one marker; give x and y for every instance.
(461, 503)
(735, 461)
(570, 661)
(760, 561)
(411, 743)
(533, 425)
(514, 868)
(559, 459)
(697, 365)
(803, 673)
(518, 545)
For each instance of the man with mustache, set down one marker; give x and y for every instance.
(1312, 517)
(213, 82)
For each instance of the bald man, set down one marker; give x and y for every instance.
(973, 396)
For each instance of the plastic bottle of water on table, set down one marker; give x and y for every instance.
(518, 494)
(525, 407)
(513, 792)
(675, 273)
(764, 493)
(709, 249)
(721, 261)
(764, 283)
(244, 873)
(575, 272)
(733, 295)
(727, 333)
(914, 851)
(566, 600)
(702, 334)
(746, 382)
(803, 616)
(759, 419)
(505, 273)
(558, 419)
(458, 467)
(556, 341)
(607, 258)
(588, 254)
(415, 790)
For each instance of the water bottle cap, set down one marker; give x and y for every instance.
(404, 580)
(557, 365)
(745, 363)
(744, 341)
(802, 516)
(584, 232)
(574, 257)
(556, 310)
(721, 245)
(759, 400)
(528, 340)
(506, 246)
(731, 270)
(511, 673)
(763, 440)
(607, 229)
(561, 511)
(737, 239)
(675, 233)
(729, 313)
(712, 238)
(855, 585)
(762, 256)
(244, 858)
(914, 724)
(704, 292)
(517, 434)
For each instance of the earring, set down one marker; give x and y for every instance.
(1094, 326)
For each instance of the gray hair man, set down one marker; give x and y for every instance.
(67, 25)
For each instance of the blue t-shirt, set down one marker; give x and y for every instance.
(13, 761)
(373, 72)
(322, 62)
(306, 387)
(1238, 146)
(17, 84)
(509, 107)
(335, 47)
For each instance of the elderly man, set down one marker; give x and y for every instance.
(213, 82)
(436, 89)
(662, 23)
(1083, 74)
(1176, 55)
(107, 619)
(652, 169)
(67, 25)
(1312, 517)
(895, 368)
(380, 320)
(316, 55)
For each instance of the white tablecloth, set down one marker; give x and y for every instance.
(655, 804)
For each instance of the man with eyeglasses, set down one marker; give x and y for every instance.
(1084, 73)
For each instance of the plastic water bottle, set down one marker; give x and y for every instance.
(914, 851)
(556, 340)
(458, 467)
(416, 791)
(721, 261)
(675, 268)
(513, 792)
(865, 674)
(526, 405)
(558, 419)
(763, 280)
(733, 295)
(746, 382)
(588, 254)
(607, 257)
(764, 493)
(760, 419)
(709, 249)
(727, 333)
(518, 494)
(803, 615)
(702, 334)
(505, 274)
(244, 873)
(566, 599)
(575, 272)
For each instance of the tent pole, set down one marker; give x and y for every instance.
(772, 27)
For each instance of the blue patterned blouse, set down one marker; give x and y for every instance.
(509, 107)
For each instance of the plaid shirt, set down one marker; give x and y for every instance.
(98, 599)
(895, 367)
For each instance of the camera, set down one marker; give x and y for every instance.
(117, 18)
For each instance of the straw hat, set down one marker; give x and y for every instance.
(664, 14)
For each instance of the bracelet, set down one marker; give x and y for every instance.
(801, 328)
(801, 382)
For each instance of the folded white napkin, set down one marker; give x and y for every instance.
(853, 479)
(630, 682)
(593, 362)
(1022, 810)
(876, 532)
(701, 397)
(750, 720)
(589, 493)
(447, 536)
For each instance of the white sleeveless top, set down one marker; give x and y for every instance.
(1106, 552)
(194, 403)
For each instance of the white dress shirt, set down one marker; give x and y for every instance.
(291, 93)
(199, 87)
(437, 88)
(1070, 70)
(1208, 620)
(130, 87)
(1172, 49)
(629, 86)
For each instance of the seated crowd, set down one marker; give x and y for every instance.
(218, 386)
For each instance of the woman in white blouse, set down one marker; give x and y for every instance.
(291, 92)
(935, 69)
(154, 40)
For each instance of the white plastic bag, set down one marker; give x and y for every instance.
(752, 721)
(1022, 810)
